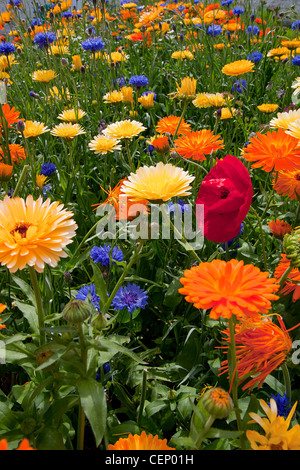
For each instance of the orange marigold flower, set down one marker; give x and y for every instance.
(273, 151)
(237, 68)
(288, 184)
(261, 346)
(229, 288)
(10, 114)
(24, 445)
(124, 207)
(292, 284)
(142, 442)
(5, 171)
(160, 143)
(198, 144)
(17, 153)
(279, 228)
(2, 308)
(170, 123)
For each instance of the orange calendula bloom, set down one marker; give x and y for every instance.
(239, 67)
(229, 288)
(5, 171)
(279, 228)
(24, 445)
(10, 114)
(140, 442)
(292, 284)
(277, 435)
(2, 308)
(261, 346)
(288, 184)
(17, 153)
(160, 143)
(170, 123)
(124, 207)
(198, 144)
(273, 151)
(33, 233)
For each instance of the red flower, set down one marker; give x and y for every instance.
(226, 193)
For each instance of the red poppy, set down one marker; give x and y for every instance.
(226, 194)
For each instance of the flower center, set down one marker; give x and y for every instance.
(224, 193)
(129, 298)
(276, 446)
(297, 177)
(21, 229)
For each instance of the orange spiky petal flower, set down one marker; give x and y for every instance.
(125, 208)
(274, 150)
(229, 288)
(198, 144)
(287, 183)
(261, 346)
(140, 442)
(292, 284)
(279, 228)
(169, 124)
(10, 115)
(24, 445)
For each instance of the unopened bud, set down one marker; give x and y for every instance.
(76, 311)
(217, 402)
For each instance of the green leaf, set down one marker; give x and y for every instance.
(30, 314)
(100, 285)
(7, 418)
(25, 288)
(109, 345)
(93, 401)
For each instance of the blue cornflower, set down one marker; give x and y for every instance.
(7, 48)
(230, 242)
(36, 22)
(102, 254)
(238, 11)
(93, 44)
(253, 30)
(226, 3)
(296, 25)
(121, 82)
(296, 60)
(283, 405)
(130, 297)
(236, 87)
(138, 81)
(181, 205)
(214, 30)
(83, 293)
(43, 40)
(255, 57)
(47, 169)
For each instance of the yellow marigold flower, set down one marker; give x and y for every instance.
(124, 129)
(157, 183)
(150, 16)
(102, 144)
(277, 435)
(283, 120)
(58, 49)
(291, 44)
(41, 180)
(43, 76)
(181, 55)
(71, 115)
(278, 52)
(127, 92)
(116, 57)
(267, 108)
(142, 442)
(67, 130)
(186, 90)
(226, 113)
(237, 68)
(77, 64)
(7, 61)
(33, 233)
(113, 97)
(4, 75)
(34, 129)
(147, 101)
(202, 100)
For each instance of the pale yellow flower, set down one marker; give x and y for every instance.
(102, 144)
(67, 130)
(124, 129)
(71, 115)
(43, 76)
(283, 120)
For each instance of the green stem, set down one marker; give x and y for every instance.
(285, 276)
(262, 238)
(129, 155)
(181, 117)
(38, 299)
(232, 363)
(205, 430)
(143, 397)
(287, 380)
(81, 414)
(21, 179)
